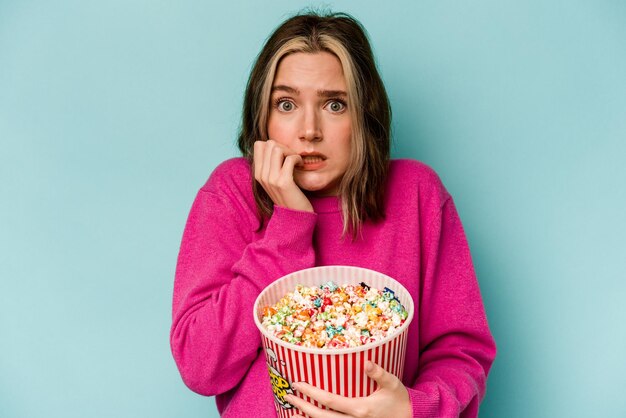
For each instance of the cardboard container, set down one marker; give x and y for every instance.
(337, 370)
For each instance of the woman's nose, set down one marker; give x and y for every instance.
(310, 130)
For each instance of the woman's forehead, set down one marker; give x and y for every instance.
(321, 71)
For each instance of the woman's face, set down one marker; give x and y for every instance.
(309, 114)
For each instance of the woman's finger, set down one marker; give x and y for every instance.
(330, 400)
(381, 376)
(310, 409)
(277, 159)
(259, 148)
(291, 161)
(267, 160)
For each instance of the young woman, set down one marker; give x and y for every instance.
(316, 187)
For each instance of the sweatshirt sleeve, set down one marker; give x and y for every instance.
(220, 271)
(456, 346)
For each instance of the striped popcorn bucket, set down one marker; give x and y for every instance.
(337, 370)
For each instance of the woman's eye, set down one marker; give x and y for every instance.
(285, 106)
(337, 106)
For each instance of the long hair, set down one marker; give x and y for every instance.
(361, 189)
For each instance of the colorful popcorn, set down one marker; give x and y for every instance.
(331, 316)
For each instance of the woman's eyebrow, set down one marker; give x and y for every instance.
(331, 93)
(321, 93)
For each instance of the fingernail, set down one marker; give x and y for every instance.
(369, 366)
(295, 386)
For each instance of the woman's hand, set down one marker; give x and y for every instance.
(391, 399)
(273, 168)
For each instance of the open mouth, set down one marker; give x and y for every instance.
(312, 160)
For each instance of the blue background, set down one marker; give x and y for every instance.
(113, 114)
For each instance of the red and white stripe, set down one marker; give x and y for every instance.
(340, 370)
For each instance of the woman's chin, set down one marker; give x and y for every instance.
(317, 190)
(317, 184)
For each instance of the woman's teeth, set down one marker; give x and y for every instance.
(311, 159)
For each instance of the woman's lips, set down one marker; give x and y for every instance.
(312, 161)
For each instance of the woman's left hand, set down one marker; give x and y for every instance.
(391, 399)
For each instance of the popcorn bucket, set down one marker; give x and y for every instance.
(337, 370)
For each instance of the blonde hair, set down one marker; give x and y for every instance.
(362, 186)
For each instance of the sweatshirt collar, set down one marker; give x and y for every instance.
(326, 204)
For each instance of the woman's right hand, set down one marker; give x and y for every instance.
(273, 168)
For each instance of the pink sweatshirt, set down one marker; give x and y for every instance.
(224, 264)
